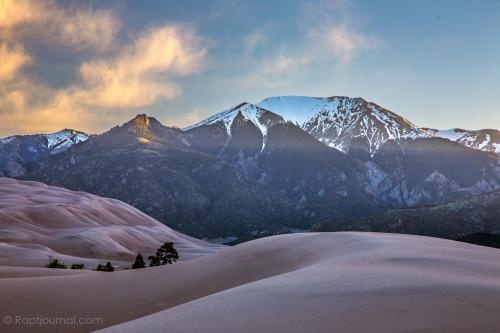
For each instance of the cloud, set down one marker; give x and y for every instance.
(187, 118)
(329, 39)
(12, 58)
(46, 22)
(252, 40)
(25, 118)
(335, 32)
(141, 72)
(344, 43)
(110, 86)
(17, 12)
(26, 102)
(118, 78)
(277, 69)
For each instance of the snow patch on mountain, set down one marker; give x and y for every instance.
(451, 134)
(56, 142)
(62, 140)
(485, 139)
(7, 139)
(375, 176)
(436, 177)
(249, 111)
(261, 118)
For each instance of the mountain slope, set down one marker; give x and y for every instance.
(322, 182)
(37, 220)
(20, 153)
(342, 122)
(454, 219)
(243, 125)
(486, 139)
(260, 117)
(142, 131)
(431, 171)
(56, 142)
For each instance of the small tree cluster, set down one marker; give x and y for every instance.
(105, 268)
(166, 254)
(55, 263)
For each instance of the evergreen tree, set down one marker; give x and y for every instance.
(105, 268)
(154, 260)
(139, 262)
(108, 267)
(166, 254)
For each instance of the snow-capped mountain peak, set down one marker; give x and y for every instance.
(18, 149)
(337, 120)
(52, 142)
(261, 118)
(62, 140)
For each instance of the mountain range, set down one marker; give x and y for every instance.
(284, 164)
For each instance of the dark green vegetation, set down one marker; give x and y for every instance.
(139, 262)
(166, 254)
(482, 238)
(105, 268)
(451, 220)
(55, 263)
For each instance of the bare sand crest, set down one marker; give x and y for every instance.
(361, 283)
(18, 272)
(37, 219)
(331, 282)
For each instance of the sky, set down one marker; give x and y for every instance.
(91, 65)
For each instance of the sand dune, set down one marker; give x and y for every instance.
(17, 272)
(36, 219)
(341, 282)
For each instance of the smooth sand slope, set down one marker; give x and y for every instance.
(331, 282)
(36, 219)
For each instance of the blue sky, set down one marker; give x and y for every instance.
(437, 63)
